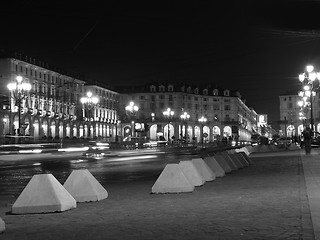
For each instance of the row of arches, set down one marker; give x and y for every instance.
(196, 133)
(44, 127)
(292, 131)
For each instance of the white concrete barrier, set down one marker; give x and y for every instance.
(172, 180)
(229, 161)
(191, 172)
(241, 158)
(43, 194)
(84, 187)
(214, 166)
(222, 162)
(204, 170)
(246, 157)
(236, 160)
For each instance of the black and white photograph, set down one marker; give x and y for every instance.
(137, 120)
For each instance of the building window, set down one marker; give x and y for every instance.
(152, 88)
(290, 105)
(196, 91)
(161, 88)
(152, 106)
(170, 88)
(196, 98)
(227, 107)
(226, 92)
(216, 107)
(170, 98)
(205, 92)
(215, 92)
(161, 96)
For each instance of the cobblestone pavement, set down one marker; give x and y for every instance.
(267, 200)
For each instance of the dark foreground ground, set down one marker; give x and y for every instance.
(267, 200)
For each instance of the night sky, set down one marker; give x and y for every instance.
(256, 47)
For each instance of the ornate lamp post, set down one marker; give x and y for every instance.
(89, 103)
(308, 79)
(185, 117)
(19, 91)
(131, 111)
(202, 120)
(168, 114)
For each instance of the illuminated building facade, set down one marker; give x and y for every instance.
(225, 112)
(291, 122)
(52, 108)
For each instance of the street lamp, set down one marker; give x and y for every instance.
(202, 120)
(185, 117)
(19, 91)
(308, 79)
(168, 114)
(88, 103)
(131, 111)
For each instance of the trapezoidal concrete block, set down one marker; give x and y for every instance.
(204, 169)
(222, 162)
(2, 226)
(84, 187)
(235, 160)
(245, 149)
(246, 157)
(214, 166)
(43, 194)
(191, 172)
(229, 161)
(172, 180)
(244, 162)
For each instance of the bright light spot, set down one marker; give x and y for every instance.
(309, 68)
(77, 161)
(31, 151)
(73, 149)
(36, 164)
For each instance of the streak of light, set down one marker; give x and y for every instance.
(134, 158)
(31, 151)
(36, 164)
(74, 149)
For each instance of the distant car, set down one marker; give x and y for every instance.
(97, 149)
(154, 144)
(150, 144)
